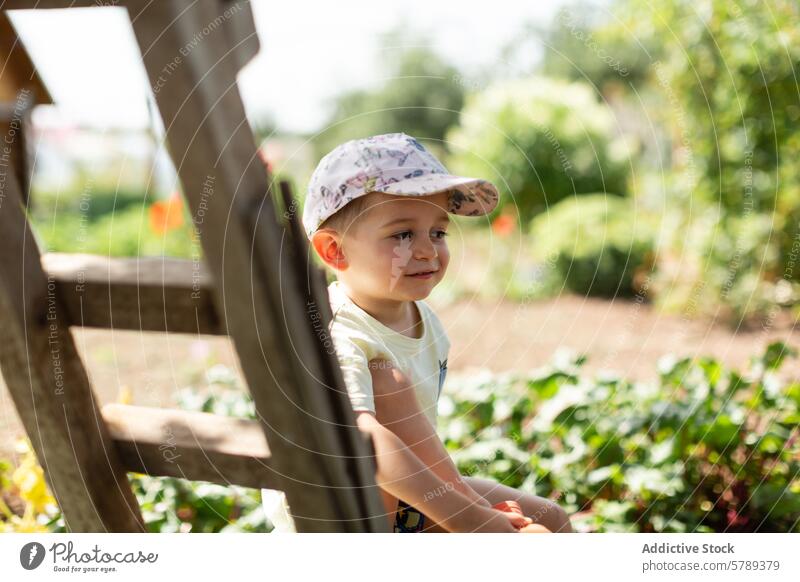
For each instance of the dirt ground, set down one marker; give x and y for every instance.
(616, 335)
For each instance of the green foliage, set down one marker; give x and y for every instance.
(724, 90)
(724, 265)
(420, 97)
(110, 229)
(540, 140)
(595, 243)
(704, 448)
(175, 505)
(584, 44)
(736, 93)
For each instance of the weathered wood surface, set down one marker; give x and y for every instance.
(50, 387)
(271, 298)
(147, 293)
(191, 445)
(317, 450)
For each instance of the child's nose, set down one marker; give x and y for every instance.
(424, 249)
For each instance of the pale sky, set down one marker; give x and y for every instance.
(310, 51)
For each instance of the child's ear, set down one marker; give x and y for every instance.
(328, 245)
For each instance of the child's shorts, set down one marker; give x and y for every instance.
(407, 519)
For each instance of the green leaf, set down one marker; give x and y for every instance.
(776, 353)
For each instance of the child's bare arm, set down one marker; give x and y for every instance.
(398, 410)
(404, 475)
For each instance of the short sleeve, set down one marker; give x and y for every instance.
(354, 349)
(357, 378)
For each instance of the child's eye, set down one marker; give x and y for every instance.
(439, 234)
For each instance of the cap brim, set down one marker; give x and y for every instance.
(468, 196)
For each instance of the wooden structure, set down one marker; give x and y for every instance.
(20, 89)
(257, 285)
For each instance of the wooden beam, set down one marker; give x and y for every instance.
(50, 387)
(58, 4)
(191, 445)
(146, 293)
(308, 420)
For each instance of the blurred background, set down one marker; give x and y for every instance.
(622, 325)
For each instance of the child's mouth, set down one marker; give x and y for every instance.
(423, 274)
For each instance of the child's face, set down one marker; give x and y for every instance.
(393, 240)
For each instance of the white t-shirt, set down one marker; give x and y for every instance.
(358, 338)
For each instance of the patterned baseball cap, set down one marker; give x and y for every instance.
(392, 163)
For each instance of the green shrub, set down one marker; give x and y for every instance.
(729, 112)
(594, 243)
(123, 233)
(724, 266)
(704, 448)
(539, 140)
(93, 201)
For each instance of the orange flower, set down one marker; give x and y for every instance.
(166, 215)
(504, 225)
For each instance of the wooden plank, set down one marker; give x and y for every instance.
(50, 387)
(146, 293)
(312, 285)
(241, 31)
(192, 445)
(58, 4)
(305, 417)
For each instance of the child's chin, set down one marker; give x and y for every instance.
(415, 290)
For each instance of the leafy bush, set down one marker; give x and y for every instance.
(595, 244)
(702, 449)
(540, 140)
(586, 44)
(724, 266)
(121, 233)
(419, 97)
(727, 110)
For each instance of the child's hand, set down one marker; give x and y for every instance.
(493, 521)
(510, 505)
(513, 508)
(513, 512)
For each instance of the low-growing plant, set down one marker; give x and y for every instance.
(704, 448)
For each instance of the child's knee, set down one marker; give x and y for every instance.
(552, 516)
(560, 519)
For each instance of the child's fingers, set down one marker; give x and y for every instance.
(518, 520)
(510, 505)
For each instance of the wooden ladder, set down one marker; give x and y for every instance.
(257, 285)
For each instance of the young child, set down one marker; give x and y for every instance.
(377, 214)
